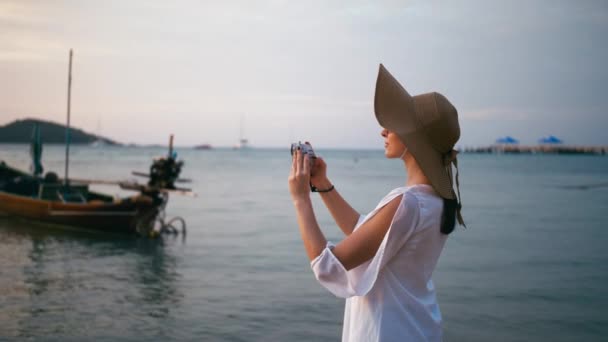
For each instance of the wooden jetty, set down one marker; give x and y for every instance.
(538, 149)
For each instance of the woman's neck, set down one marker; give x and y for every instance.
(414, 172)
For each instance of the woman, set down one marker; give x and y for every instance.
(384, 264)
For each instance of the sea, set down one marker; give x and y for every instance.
(531, 264)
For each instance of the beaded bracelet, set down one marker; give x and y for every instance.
(314, 189)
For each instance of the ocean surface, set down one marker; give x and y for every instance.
(531, 266)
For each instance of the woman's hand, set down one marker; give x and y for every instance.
(318, 173)
(299, 177)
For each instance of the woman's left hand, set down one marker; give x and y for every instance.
(299, 177)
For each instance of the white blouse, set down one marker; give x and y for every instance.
(391, 297)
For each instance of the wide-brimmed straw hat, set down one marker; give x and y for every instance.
(428, 126)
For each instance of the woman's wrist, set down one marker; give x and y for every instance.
(328, 189)
(301, 200)
(323, 184)
(331, 187)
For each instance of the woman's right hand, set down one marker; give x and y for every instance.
(318, 174)
(319, 170)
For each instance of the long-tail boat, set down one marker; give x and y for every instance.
(70, 202)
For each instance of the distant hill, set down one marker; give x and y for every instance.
(20, 131)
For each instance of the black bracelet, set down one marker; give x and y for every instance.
(324, 190)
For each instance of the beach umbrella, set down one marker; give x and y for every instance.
(507, 140)
(36, 152)
(550, 140)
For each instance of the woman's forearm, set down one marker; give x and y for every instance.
(313, 238)
(345, 216)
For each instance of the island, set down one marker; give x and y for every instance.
(20, 132)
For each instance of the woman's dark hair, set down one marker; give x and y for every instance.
(448, 217)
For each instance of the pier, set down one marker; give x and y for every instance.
(538, 149)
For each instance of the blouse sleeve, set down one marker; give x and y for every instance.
(358, 281)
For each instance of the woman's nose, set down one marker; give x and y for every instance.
(384, 132)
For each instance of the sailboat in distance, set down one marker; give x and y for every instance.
(243, 142)
(99, 141)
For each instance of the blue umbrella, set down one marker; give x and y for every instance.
(550, 140)
(507, 140)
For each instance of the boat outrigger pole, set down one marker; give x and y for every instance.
(67, 128)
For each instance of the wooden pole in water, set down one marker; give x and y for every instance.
(67, 128)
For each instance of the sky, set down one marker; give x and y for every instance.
(281, 71)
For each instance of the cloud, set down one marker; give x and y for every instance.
(20, 14)
(503, 114)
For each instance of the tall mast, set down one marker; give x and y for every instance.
(67, 128)
(241, 129)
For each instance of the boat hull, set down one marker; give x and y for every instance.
(129, 215)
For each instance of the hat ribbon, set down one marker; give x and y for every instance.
(448, 159)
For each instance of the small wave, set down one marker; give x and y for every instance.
(585, 186)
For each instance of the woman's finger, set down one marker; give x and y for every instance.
(293, 166)
(306, 165)
(319, 161)
(298, 161)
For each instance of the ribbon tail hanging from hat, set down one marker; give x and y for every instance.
(449, 159)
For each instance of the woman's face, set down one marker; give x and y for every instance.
(393, 147)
